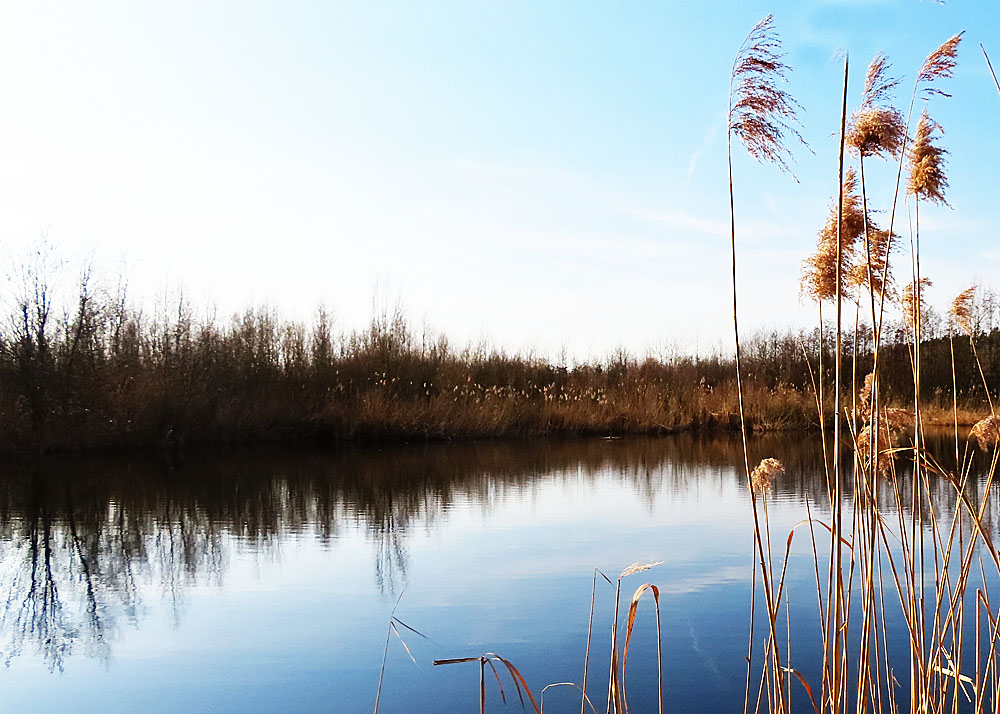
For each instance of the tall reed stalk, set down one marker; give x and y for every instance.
(761, 114)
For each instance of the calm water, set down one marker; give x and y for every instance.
(263, 580)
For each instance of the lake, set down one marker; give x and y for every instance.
(263, 580)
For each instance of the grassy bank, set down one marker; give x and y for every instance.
(97, 373)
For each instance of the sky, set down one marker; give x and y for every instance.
(547, 177)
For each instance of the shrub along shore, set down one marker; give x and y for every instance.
(101, 375)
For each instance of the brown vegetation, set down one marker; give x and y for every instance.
(102, 374)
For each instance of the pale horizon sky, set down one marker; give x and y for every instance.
(544, 175)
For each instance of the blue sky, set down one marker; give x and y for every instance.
(545, 175)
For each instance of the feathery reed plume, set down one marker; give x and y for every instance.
(819, 271)
(927, 178)
(939, 65)
(888, 436)
(761, 113)
(886, 442)
(877, 131)
(898, 418)
(910, 304)
(765, 473)
(987, 432)
(877, 274)
(961, 310)
(878, 83)
(865, 397)
(961, 314)
(876, 128)
(638, 568)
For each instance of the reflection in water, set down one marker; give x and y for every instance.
(81, 538)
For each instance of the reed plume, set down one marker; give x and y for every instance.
(927, 177)
(819, 271)
(638, 568)
(874, 272)
(765, 473)
(939, 64)
(961, 315)
(914, 307)
(865, 397)
(987, 432)
(761, 113)
(961, 310)
(887, 440)
(877, 128)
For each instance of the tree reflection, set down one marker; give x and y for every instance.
(87, 542)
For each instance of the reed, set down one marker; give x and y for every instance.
(896, 533)
(904, 531)
(762, 115)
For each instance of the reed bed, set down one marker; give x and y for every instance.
(890, 549)
(93, 372)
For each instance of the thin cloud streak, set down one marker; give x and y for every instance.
(706, 144)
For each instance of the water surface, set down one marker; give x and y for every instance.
(263, 580)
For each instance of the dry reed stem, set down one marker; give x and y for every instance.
(761, 115)
(485, 659)
(590, 631)
(990, 65)
(938, 65)
(385, 650)
(636, 596)
(541, 695)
